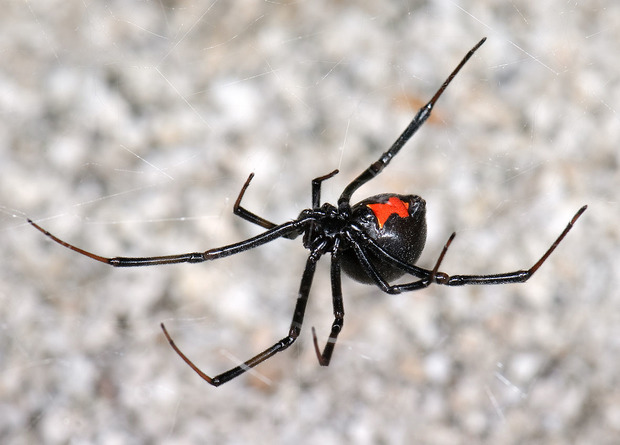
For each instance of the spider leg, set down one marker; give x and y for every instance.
(316, 188)
(283, 230)
(519, 276)
(414, 125)
(246, 214)
(294, 330)
(365, 240)
(433, 275)
(255, 219)
(326, 356)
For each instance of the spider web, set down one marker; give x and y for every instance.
(129, 128)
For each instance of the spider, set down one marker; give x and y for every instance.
(375, 241)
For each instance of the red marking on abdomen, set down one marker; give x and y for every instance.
(384, 210)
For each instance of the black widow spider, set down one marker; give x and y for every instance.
(375, 241)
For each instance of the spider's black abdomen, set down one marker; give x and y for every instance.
(397, 223)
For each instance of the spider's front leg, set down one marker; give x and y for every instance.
(289, 229)
(294, 330)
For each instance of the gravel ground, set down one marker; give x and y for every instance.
(128, 129)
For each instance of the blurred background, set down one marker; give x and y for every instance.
(129, 127)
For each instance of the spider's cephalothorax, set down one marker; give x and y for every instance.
(375, 241)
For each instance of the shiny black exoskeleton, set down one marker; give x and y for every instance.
(401, 234)
(375, 241)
